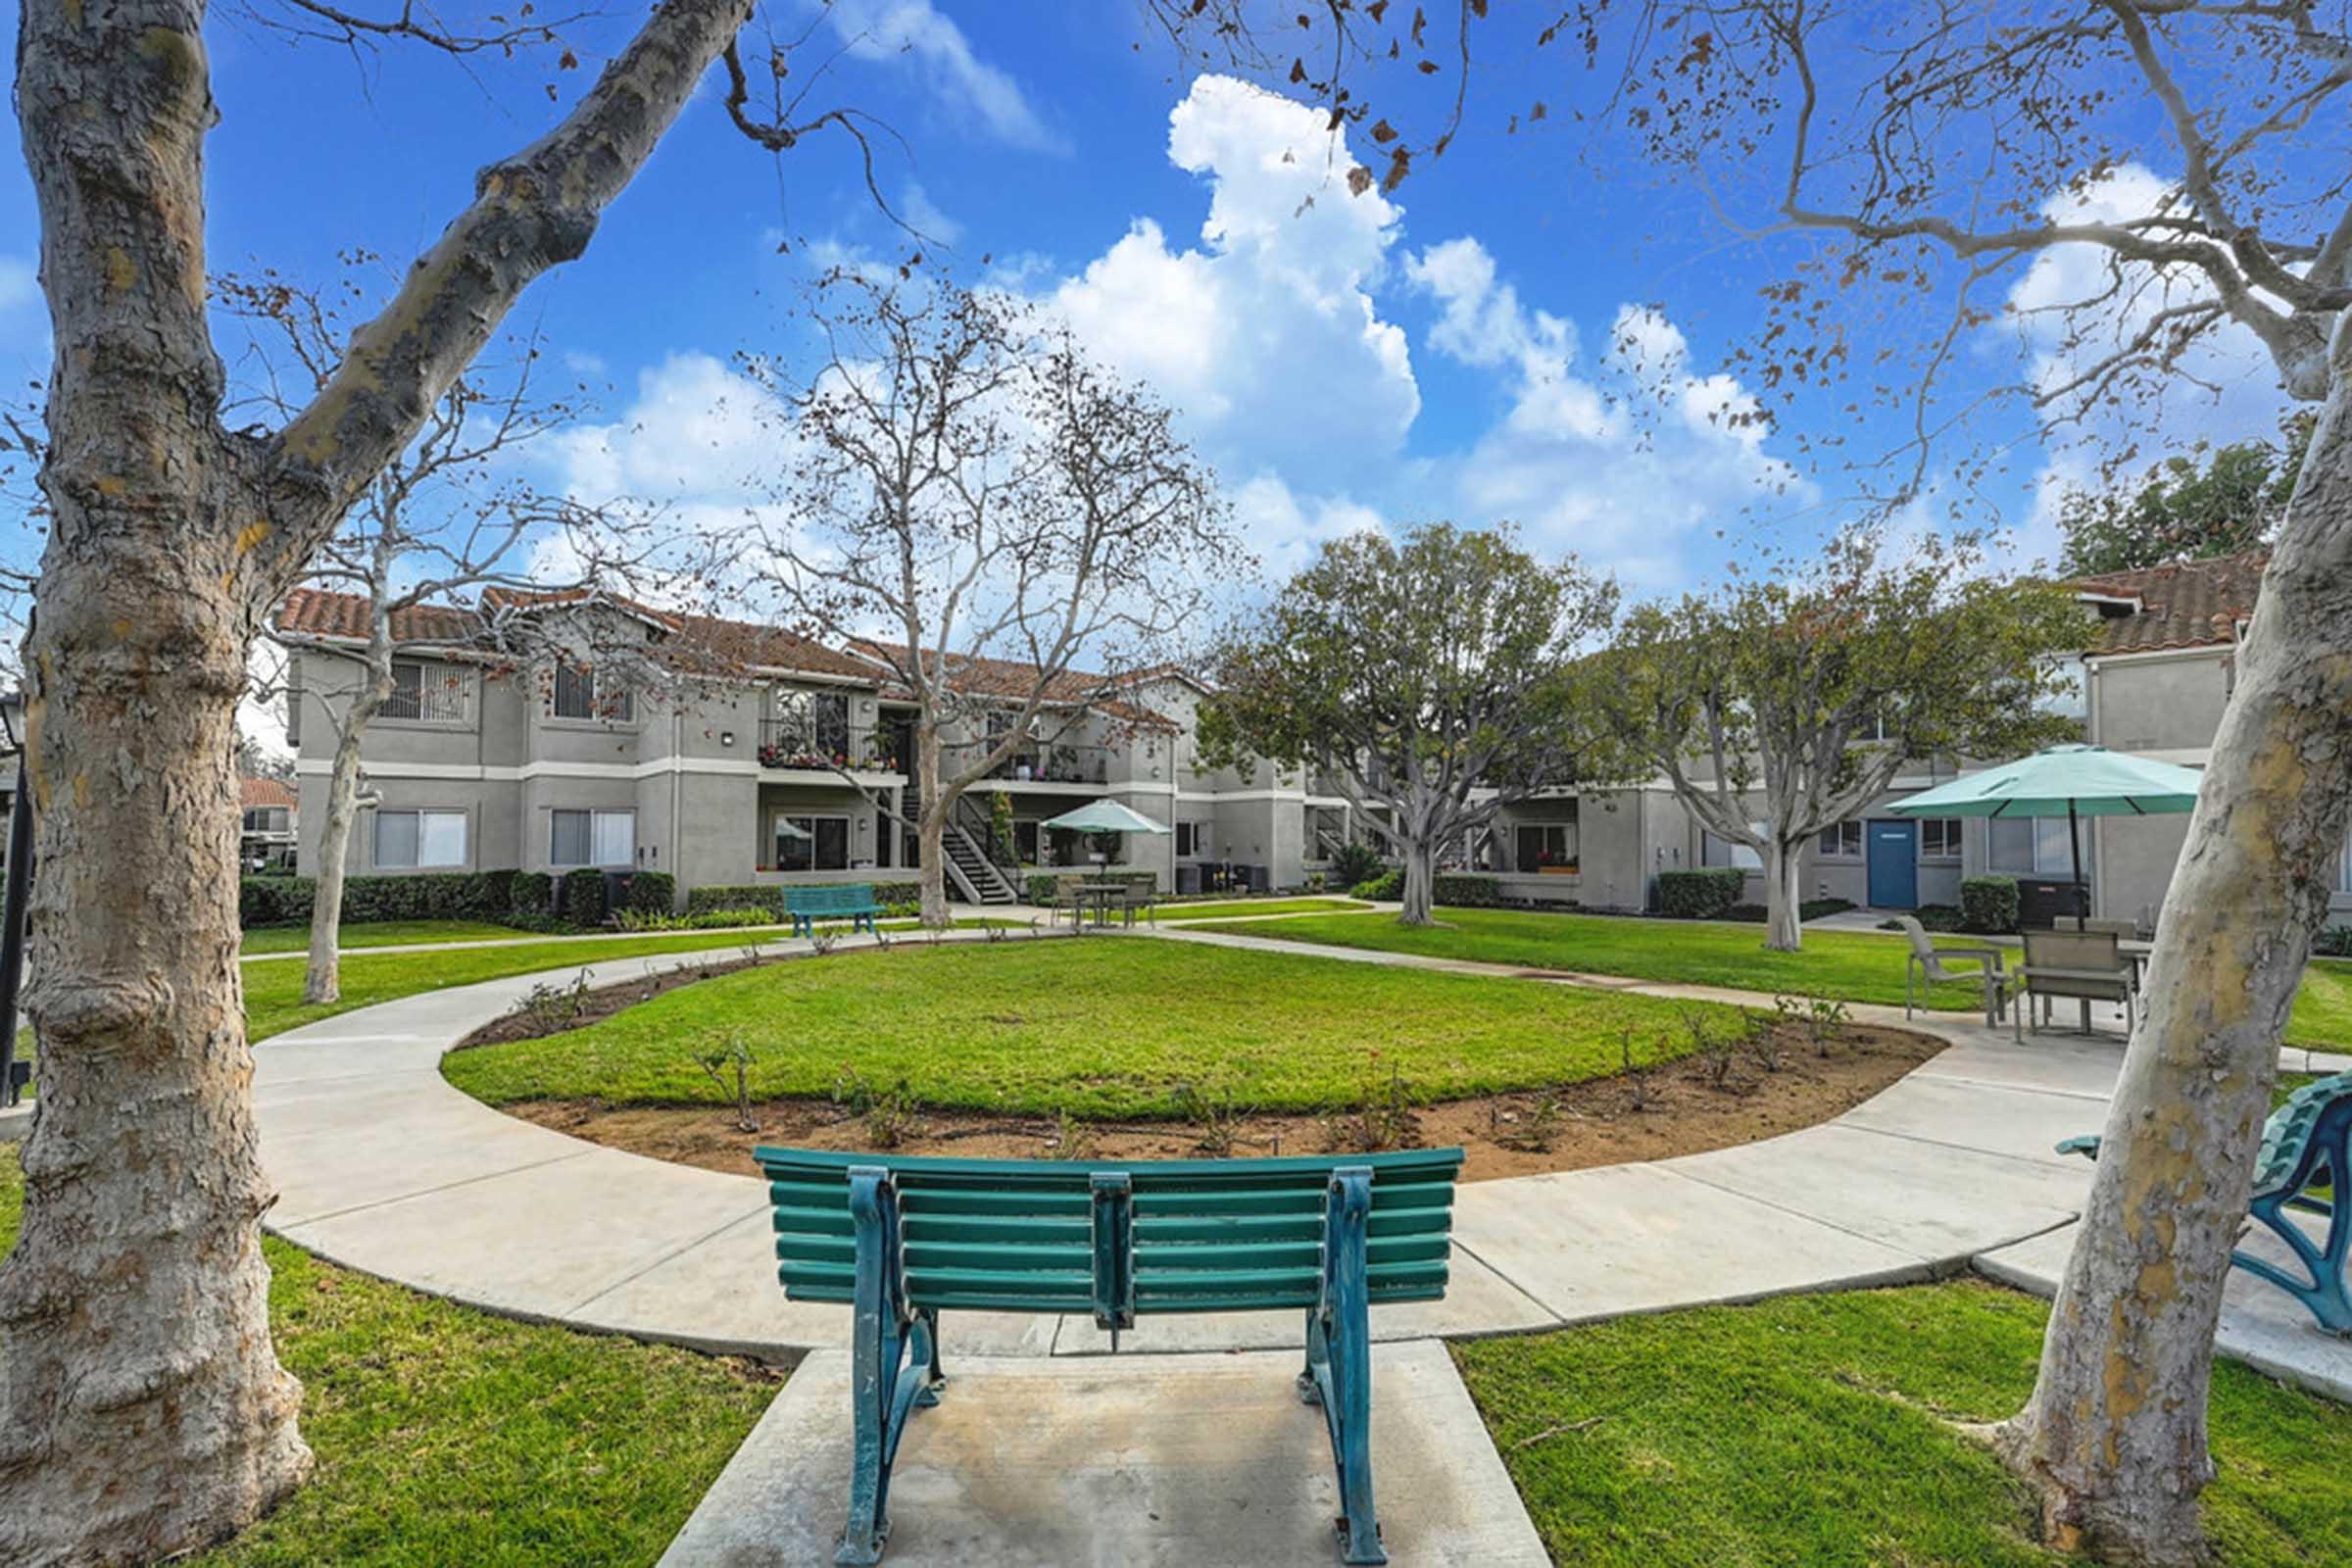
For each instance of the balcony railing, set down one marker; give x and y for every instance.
(786, 745)
(1057, 764)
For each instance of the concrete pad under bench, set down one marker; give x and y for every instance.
(2261, 1325)
(1191, 1460)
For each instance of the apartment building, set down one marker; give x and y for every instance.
(755, 756)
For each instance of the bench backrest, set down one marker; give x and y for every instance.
(1199, 1235)
(2289, 1130)
(828, 900)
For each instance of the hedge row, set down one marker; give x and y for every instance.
(1704, 895)
(1988, 903)
(435, 896)
(769, 896)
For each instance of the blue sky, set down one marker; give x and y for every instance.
(1350, 361)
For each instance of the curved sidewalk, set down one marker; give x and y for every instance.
(381, 1165)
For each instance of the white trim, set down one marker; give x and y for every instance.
(2150, 656)
(1245, 795)
(509, 773)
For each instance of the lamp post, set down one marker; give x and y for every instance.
(20, 886)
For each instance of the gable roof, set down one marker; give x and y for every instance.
(2189, 604)
(253, 792)
(705, 644)
(1014, 679)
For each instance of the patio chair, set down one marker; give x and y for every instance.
(1141, 897)
(2084, 967)
(1928, 959)
(1065, 898)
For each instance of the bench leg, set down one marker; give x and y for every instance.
(2324, 1294)
(894, 1366)
(1339, 1361)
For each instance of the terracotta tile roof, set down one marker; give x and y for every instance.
(706, 644)
(316, 613)
(252, 792)
(1011, 678)
(2190, 604)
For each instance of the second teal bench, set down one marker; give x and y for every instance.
(853, 902)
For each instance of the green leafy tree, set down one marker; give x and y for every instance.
(1786, 702)
(2184, 511)
(1436, 676)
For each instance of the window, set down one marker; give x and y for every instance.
(423, 689)
(592, 838)
(576, 697)
(265, 820)
(2029, 846)
(1188, 841)
(812, 843)
(1841, 841)
(1542, 846)
(1939, 838)
(1713, 850)
(813, 722)
(1024, 841)
(405, 840)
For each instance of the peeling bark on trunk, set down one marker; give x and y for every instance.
(143, 1411)
(1784, 930)
(324, 980)
(2114, 1439)
(931, 832)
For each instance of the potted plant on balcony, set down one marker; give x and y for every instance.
(1550, 864)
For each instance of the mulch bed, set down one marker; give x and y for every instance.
(1678, 1108)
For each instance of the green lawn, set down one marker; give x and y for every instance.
(1814, 1429)
(273, 991)
(1851, 965)
(1097, 1028)
(1232, 909)
(444, 1434)
(377, 934)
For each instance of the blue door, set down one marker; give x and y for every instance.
(1893, 865)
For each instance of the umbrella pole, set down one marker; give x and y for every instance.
(2074, 838)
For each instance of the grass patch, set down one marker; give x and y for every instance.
(1815, 1430)
(273, 991)
(445, 1435)
(1230, 908)
(376, 934)
(1095, 1028)
(1851, 966)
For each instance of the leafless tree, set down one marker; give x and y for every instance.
(144, 1412)
(1004, 528)
(1931, 154)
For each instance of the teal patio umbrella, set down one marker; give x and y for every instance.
(1107, 816)
(2069, 781)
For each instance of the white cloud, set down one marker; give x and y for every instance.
(915, 31)
(1266, 335)
(923, 215)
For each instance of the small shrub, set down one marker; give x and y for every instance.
(1386, 888)
(584, 897)
(1636, 1072)
(1355, 862)
(1988, 905)
(1219, 1114)
(1701, 895)
(2333, 942)
(1810, 910)
(733, 1063)
(1763, 1041)
(1825, 1020)
(531, 895)
(1717, 1053)
(1535, 1133)
(1932, 917)
(264, 901)
(1381, 1118)
(1072, 1138)
(890, 1115)
(555, 1006)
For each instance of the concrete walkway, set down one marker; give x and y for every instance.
(382, 1166)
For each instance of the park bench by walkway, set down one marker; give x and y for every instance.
(903, 1239)
(853, 902)
(2306, 1150)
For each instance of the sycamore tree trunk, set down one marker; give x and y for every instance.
(1784, 930)
(2114, 1439)
(323, 979)
(1420, 881)
(143, 1412)
(931, 831)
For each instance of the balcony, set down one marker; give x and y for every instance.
(1081, 765)
(823, 755)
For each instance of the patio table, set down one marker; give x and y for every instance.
(1100, 895)
(2029, 974)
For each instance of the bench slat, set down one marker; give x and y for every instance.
(1159, 1262)
(1288, 1227)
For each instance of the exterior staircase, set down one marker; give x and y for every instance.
(968, 868)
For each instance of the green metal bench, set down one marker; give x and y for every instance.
(903, 1239)
(2306, 1149)
(853, 902)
